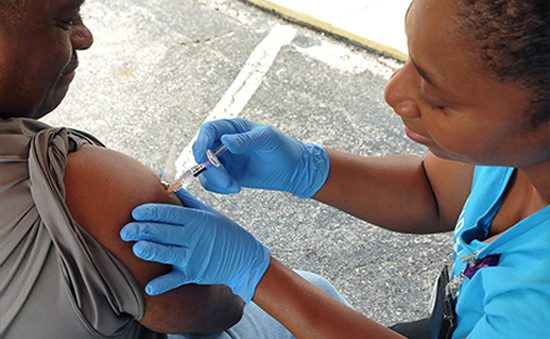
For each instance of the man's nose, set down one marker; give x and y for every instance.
(82, 38)
(401, 92)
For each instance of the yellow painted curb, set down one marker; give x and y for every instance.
(309, 20)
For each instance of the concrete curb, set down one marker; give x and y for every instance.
(371, 24)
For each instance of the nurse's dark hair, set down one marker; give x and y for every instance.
(514, 37)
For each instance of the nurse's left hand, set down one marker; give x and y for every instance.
(203, 246)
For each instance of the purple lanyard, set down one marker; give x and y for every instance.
(474, 266)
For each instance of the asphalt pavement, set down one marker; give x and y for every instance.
(158, 69)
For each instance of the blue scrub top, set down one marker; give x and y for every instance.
(511, 299)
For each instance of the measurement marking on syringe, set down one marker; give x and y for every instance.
(245, 85)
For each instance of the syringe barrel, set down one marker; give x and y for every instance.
(198, 169)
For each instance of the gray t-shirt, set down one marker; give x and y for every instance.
(56, 281)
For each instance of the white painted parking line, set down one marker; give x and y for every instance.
(245, 85)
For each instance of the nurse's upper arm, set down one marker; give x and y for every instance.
(450, 182)
(102, 188)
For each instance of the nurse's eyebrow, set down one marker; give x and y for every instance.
(425, 75)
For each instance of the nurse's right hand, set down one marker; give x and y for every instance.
(260, 157)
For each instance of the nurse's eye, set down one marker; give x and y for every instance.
(438, 107)
(435, 107)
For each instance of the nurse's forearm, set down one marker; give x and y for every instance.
(310, 313)
(392, 192)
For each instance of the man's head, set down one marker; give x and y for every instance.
(38, 44)
(10, 7)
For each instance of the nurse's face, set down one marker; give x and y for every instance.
(38, 45)
(450, 102)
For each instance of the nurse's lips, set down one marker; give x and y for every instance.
(418, 137)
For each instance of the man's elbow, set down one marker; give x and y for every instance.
(193, 309)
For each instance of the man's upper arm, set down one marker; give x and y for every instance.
(102, 188)
(450, 182)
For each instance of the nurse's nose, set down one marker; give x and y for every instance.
(402, 91)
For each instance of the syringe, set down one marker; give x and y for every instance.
(185, 178)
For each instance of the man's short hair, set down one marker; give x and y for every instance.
(10, 9)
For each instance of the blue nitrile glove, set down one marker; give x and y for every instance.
(204, 247)
(260, 157)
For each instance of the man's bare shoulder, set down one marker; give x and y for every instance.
(102, 188)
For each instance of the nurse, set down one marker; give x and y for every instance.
(475, 91)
